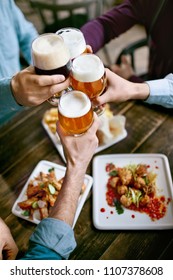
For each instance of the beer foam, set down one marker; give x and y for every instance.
(87, 68)
(74, 104)
(49, 52)
(74, 40)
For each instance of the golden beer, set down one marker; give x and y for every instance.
(88, 75)
(75, 112)
(74, 40)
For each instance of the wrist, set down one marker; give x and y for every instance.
(75, 173)
(140, 91)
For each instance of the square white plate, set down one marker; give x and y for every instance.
(133, 220)
(59, 147)
(44, 166)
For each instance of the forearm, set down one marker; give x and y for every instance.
(109, 25)
(67, 200)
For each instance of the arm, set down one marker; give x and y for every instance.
(154, 92)
(111, 24)
(8, 248)
(54, 237)
(26, 32)
(28, 89)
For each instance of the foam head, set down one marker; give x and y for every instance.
(74, 40)
(49, 52)
(87, 68)
(74, 104)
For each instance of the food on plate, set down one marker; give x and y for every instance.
(50, 118)
(134, 187)
(111, 126)
(41, 193)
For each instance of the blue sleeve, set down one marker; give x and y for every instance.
(8, 105)
(26, 32)
(161, 92)
(6, 96)
(40, 252)
(52, 239)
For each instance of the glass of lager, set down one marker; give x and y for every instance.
(75, 112)
(88, 76)
(51, 56)
(74, 40)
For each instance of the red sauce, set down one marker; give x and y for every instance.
(155, 209)
(102, 210)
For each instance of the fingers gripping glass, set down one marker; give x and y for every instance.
(51, 56)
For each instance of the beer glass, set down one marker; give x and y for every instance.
(75, 112)
(51, 56)
(88, 75)
(74, 40)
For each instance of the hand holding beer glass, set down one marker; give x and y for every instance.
(75, 112)
(51, 56)
(88, 75)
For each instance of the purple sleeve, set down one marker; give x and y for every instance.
(111, 24)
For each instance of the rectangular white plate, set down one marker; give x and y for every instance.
(110, 220)
(44, 166)
(59, 147)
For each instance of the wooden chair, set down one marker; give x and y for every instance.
(55, 16)
(130, 50)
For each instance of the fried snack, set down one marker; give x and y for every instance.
(134, 187)
(41, 193)
(111, 126)
(50, 118)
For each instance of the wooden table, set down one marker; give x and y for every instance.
(24, 142)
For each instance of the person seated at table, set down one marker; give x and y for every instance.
(118, 90)
(20, 87)
(54, 238)
(121, 18)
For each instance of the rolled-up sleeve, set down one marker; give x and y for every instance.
(161, 92)
(54, 235)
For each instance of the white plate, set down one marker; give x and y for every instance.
(59, 147)
(59, 171)
(130, 219)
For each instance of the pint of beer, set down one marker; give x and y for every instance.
(88, 75)
(51, 56)
(75, 112)
(74, 40)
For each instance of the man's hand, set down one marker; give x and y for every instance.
(120, 90)
(8, 248)
(30, 89)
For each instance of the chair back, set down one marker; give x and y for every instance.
(55, 16)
